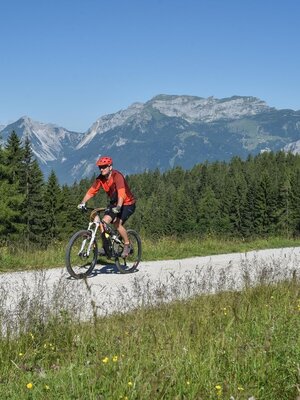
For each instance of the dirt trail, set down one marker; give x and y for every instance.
(106, 291)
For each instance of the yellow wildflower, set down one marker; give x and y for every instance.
(130, 383)
(29, 385)
(105, 360)
(188, 382)
(219, 390)
(115, 358)
(21, 354)
(47, 387)
(240, 388)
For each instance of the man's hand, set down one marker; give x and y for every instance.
(116, 209)
(81, 206)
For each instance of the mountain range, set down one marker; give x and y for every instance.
(164, 132)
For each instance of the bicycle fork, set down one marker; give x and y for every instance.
(93, 230)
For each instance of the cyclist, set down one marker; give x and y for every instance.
(122, 201)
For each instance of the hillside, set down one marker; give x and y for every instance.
(164, 132)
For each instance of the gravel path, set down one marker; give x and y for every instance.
(37, 293)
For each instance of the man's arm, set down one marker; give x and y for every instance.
(120, 186)
(94, 189)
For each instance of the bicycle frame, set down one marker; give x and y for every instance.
(93, 228)
(112, 235)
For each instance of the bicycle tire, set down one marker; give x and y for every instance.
(130, 263)
(78, 265)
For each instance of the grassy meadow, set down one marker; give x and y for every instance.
(233, 345)
(16, 257)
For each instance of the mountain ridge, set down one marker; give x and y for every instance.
(163, 132)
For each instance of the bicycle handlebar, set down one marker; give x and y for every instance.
(99, 209)
(94, 211)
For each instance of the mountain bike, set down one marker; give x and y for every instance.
(82, 249)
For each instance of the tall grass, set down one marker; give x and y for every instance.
(230, 345)
(14, 257)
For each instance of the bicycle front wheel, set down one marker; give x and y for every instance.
(130, 263)
(80, 261)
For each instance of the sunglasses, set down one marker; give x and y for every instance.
(103, 166)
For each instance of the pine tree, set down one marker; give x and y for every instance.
(209, 212)
(182, 210)
(11, 197)
(14, 157)
(52, 204)
(237, 191)
(264, 206)
(284, 208)
(31, 185)
(295, 201)
(70, 218)
(248, 219)
(4, 169)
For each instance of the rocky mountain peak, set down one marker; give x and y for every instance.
(47, 140)
(190, 108)
(197, 109)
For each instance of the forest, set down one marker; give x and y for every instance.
(255, 197)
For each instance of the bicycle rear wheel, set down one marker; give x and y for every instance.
(130, 263)
(78, 262)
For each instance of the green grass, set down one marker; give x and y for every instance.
(14, 258)
(170, 248)
(238, 344)
(230, 345)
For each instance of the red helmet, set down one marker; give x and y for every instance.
(104, 161)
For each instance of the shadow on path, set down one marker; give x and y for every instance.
(104, 267)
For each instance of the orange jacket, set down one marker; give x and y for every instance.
(115, 187)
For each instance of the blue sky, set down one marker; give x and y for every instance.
(69, 62)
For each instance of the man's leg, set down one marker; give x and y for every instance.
(122, 231)
(104, 249)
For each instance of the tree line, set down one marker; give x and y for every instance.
(258, 196)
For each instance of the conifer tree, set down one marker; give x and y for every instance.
(264, 206)
(248, 219)
(238, 192)
(4, 170)
(31, 186)
(182, 210)
(284, 209)
(70, 218)
(11, 197)
(295, 201)
(14, 157)
(52, 204)
(209, 212)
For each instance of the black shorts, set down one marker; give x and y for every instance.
(124, 214)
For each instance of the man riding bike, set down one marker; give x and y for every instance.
(122, 201)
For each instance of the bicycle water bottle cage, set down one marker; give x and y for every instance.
(106, 243)
(107, 228)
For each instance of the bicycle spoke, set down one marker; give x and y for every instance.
(131, 262)
(81, 255)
